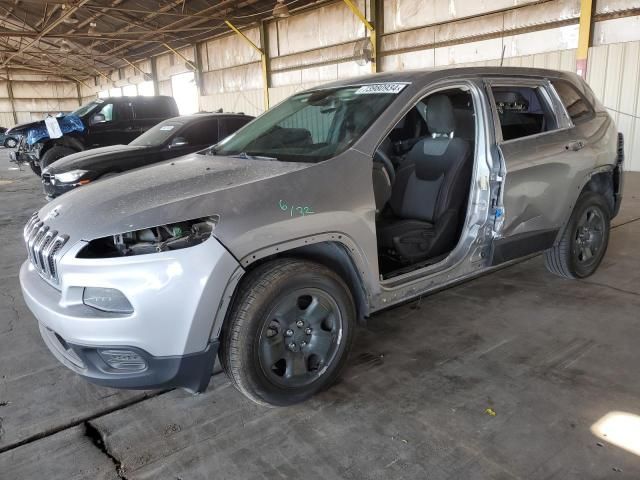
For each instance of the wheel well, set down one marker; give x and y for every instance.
(602, 183)
(332, 255)
(64, 141)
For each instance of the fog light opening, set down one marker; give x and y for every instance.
(106, 300)
(124, 360)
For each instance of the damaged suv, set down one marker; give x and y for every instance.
(343, 200)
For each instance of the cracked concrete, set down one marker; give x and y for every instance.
(12, 305)
(91, 432)
(550, 357)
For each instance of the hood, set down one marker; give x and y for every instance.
(22, 128)
(88, 159)
(186, 188)
(38, 131)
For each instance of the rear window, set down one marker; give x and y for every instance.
(153, 108)
(523, 111)
(577, 106)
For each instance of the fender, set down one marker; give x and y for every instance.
(598, 180)
(334, 250)
(64, 141)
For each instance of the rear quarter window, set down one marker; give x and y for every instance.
(577, 106)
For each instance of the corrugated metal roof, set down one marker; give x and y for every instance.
(79, 38)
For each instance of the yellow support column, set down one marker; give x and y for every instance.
(263, 60)
(372, 32)
(584, 37)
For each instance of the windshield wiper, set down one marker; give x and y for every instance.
(248, 156)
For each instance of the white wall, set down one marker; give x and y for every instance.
(35, 96)
(317, 46)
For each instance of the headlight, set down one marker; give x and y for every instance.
(70, 176)
(172, 236)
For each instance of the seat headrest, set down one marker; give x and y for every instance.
(440, 119)
(363, 115)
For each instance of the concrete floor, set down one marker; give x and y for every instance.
(549, 357)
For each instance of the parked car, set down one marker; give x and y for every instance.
(339, 202)
(7, 141)
(169, 139)
(102, 122)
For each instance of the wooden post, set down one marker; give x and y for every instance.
(11, 99)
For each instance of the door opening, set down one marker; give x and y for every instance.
(185, 92)
(422, 177)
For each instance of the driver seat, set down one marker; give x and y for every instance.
(430, 190)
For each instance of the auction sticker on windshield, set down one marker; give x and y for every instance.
(394, 88)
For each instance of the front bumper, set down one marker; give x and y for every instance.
(20, 157)
(176, 296)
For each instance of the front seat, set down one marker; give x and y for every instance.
(430, 190)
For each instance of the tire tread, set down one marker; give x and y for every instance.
(252, 290)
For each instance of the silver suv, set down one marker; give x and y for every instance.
(343, 200)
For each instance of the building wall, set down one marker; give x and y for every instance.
(35, 96)
(318, 45)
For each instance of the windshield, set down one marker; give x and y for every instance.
(313, 126)
(157, 135)
(83, 110)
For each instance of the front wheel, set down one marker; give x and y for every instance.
(35, 168)
(585, 240)
(289, 332)
(10, 142)
(53, 154)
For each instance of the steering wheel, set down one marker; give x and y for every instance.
(383, 158)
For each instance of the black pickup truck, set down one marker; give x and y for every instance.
(99, 123)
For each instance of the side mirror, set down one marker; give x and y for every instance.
(98, 118)
(178, 142)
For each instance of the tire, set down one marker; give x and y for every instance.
(580, 251)
(10, 142)
(35, 168)
(53, 154)
(269, 356)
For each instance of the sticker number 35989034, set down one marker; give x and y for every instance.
(393, 88)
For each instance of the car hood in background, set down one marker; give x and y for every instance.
(89, 159)
(189, 187)
(22, 128)
(37, 131)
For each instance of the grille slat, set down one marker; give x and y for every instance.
(43, 247)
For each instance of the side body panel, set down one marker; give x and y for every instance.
(544, 175)
(347, 181)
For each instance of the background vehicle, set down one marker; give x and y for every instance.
(8, 141)
(102, 122)
(338, 202)
(169, 139)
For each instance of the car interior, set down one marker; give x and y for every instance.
(421, 176)
(522, 112)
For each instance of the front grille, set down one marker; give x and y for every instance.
(46, 178)
(43, 246)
